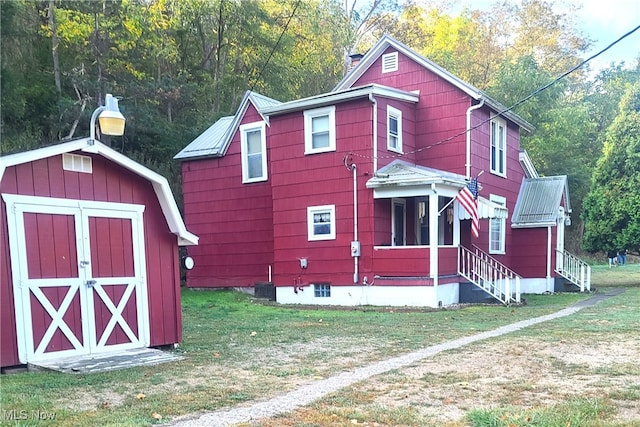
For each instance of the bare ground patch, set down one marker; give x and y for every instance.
(519, 372)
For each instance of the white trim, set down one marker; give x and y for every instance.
(394, 113)
(500, 147)
(311, 210)
(244, 150)
(309, 115)
(394, 203)
(160, 183)
(389, 62)
(77, 163)
(503, 226)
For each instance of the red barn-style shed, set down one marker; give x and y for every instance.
(90, 261)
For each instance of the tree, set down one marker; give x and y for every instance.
(612, 207)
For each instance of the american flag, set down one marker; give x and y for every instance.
(468, 198)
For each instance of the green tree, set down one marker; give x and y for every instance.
(612, 207)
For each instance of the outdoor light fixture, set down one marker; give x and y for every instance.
(110, 118)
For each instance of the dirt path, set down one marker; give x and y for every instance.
(458, 396)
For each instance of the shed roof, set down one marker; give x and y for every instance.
(539, 200)
(88, 145)
(387, 41)
(215, 140)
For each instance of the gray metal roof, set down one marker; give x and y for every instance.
(209, 142)
(215, 141)
(539, 200)
(400, 172)
(386, 41)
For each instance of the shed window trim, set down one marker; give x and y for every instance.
(394, 129)
(497, 228)
(254, 152)
(321, 222)
(498, 147)
(320, 130)
(77, 163)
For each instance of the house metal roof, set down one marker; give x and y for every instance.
(402, 173)
(334, 97)
(88, 145)
(539, 200)
(387, 41)
(209, 142)
(215, 140)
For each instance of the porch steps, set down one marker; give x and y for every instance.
(574, 270)
(489, 274)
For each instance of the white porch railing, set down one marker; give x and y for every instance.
(573, 269)
(489, 274)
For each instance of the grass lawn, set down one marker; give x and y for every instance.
(237, 350)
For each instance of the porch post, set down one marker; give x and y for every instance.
(549, 246)
(433, 235)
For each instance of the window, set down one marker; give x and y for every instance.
(498, 147)
(390, 62)
(497, 227)
(394, 129)
(321, 222)
(254, 152)
(77, 163)
(320, 130)
(322, 290)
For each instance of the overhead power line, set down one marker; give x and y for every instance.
(523, 100)
(284, 30)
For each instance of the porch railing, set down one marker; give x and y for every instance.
(573, 269)
(489, 274)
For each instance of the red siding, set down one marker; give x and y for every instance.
(233, 220)
(112, 183)
(237, 244)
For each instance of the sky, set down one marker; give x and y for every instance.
(602, 21)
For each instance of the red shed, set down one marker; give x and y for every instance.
(90, 261)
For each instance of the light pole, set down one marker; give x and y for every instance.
(110, 118)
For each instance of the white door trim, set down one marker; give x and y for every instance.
(81, 210)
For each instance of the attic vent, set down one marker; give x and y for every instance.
(77, 163)
(390, 62)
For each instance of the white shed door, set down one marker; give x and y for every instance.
(78, 276)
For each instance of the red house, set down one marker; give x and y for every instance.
(349, 197)
(90, 260)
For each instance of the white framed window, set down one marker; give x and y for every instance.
(253, 142)
(322, 290)
(398, 222)
(497, 228)
(499, 147)
(321, 222)
(394, 129)
(320, 130)
(77, 163)
(390, 62)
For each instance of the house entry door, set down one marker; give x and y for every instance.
(78, 276)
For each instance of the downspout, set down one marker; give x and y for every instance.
(375, 132)
(468, 159)
(356, 257)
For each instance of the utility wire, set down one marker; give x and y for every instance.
(523, 100)
(284, 30)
